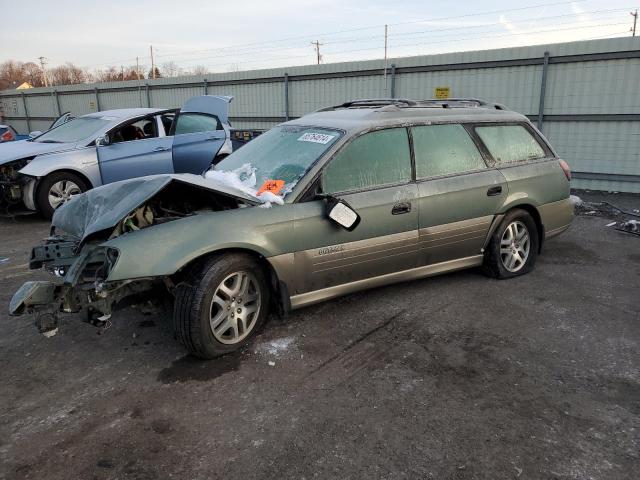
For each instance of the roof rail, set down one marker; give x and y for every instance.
(462, 102)
(372, 102)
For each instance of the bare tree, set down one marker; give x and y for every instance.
(157, 75)
(32, 73)
(11, 74)
(67, 74)
(171, 69)
(199, 70)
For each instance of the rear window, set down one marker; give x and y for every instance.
(510, 143)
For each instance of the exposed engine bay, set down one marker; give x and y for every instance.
(74, 251)
(13, 185)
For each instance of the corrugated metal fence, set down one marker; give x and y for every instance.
(588, 94)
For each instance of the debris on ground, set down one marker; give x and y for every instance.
(630, 226)
(603, 209)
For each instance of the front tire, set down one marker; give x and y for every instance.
(223, 301)
(56, 189)
(513, 248)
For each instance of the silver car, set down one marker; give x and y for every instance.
(43, 172)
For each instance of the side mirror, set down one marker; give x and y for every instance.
(341, 213)
(103, 140)
(35, 133)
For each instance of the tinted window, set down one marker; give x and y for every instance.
(196, 122)
(510, 143)
(443, 150)
(371, 160)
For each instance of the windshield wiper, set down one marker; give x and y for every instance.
(48, 141)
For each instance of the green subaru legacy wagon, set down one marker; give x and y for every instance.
(350, 197)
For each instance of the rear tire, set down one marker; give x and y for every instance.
(220, 305)
(56, 189)
(513, 248)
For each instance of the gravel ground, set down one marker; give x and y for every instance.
(452, 377)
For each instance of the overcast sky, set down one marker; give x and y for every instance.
(247, 34)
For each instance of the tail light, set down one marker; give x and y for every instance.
(566, 169)
(7, 136)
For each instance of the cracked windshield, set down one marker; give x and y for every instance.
(271, 165)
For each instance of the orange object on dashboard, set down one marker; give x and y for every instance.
(273, 186)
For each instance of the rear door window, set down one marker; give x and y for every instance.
(372, 160)
(444, 150)
(196, 122)
(510, 143)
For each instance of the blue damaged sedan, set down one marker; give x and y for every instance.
(43, 172)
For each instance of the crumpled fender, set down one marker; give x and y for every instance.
(163, 249)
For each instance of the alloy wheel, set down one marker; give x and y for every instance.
(235, 307)
(514, 246)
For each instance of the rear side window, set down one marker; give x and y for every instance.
(372, 160)
(444, 150)
(196, 122)
(510, 143)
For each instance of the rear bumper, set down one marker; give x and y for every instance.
(556, 217)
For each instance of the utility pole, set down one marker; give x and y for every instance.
(153, 64)
(122, 72)
(385, 58)
(317, 45)
(138, 68)
(43, 62)
(635, 21)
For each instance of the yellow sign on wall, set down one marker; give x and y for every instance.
(442, 92)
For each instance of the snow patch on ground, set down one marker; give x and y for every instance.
(244, 179)
(576, 200)
(276, 347)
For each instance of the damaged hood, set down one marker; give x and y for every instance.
(103, 207)
(10, 151)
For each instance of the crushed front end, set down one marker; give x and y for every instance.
(79, 254)
(83, 270)
(16, 190)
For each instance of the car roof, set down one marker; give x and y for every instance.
(364, 114)
(124, 113)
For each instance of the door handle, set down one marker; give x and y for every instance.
(160, 149)
(493, 191)
(400, 208)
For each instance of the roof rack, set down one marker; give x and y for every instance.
(372, 102)
(461, 103)
(407, 103)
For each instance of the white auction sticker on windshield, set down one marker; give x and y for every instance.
(322, 138)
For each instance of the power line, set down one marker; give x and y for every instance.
(469, 38)
(393, 36)
(270, 46)
(378, 26)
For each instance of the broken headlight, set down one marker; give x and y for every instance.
(9, 171)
